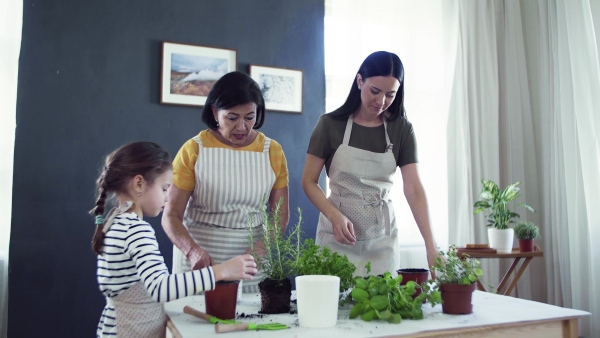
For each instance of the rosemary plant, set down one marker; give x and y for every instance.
(282, 249)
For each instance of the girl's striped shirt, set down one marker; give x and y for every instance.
(131, 255)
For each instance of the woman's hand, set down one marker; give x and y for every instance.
(199, 258)
(239, 267)
(432, 254)
(343, 229)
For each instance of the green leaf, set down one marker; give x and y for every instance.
(361, 283)
(367, 317)
(360, 295)
(379, 302)
(395, 319)
(385, 314)
(356, 310)
(373, 291)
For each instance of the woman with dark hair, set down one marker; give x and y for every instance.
(222, 176)
(360, 144)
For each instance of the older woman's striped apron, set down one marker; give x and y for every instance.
(230, 186)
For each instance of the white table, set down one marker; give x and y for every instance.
(493, 316)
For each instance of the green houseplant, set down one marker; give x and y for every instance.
(526, 233)
(456, 277)
(383, 297)
(319, 260)
(278, 259)
(497, 201)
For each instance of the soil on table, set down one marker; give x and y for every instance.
(275, 295)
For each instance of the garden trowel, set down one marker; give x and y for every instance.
(212, 319)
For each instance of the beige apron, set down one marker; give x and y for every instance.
(230, 187)
(136, 313)
(360, 181)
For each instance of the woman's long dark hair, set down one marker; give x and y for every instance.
(231, 90)
(377, 64)
(138, 158)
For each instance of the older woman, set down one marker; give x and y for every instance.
(222, 176)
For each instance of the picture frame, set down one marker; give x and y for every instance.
(189, 71)
(282, 88)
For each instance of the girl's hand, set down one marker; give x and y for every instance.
(343, 229)
(239, 267)
(199, 258)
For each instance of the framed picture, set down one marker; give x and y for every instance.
(190, 71)
(282, 88)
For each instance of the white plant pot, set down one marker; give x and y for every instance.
(501, 239)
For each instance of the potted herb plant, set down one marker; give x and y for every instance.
(383, 297)
(497, 201)
(278, 262)
(456, 277)
(526, 233)
(319, 260)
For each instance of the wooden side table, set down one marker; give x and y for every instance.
(517, 255)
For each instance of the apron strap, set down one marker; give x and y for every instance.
(348, 131)
(383, 214)
(114, 212)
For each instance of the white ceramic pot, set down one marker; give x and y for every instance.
(501, 239)
(317, 299)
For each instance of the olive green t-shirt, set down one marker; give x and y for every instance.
(328, 134)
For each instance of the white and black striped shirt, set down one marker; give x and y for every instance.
(131, 255)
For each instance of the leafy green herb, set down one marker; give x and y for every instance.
(282, 251)
(319, 260)
(377, 297)
(451, 269)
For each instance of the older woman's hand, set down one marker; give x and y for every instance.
(199, 258)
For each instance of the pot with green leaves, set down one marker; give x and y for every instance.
(384, 298)
(277, 259)
(500, 217)
(320, 260)
(526, 233)
(456, 278)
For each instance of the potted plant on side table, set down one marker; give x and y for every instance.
(456, 279)
(526, 233)
(278, 261)
(496, 200)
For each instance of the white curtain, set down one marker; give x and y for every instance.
(525, 108)
(11, 16)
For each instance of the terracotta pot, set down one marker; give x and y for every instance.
(417, 275)
(526, 245)
(456, 298)
(221, 301)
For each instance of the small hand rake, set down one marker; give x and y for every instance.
(230, 325)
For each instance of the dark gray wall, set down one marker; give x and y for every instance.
(89, 82)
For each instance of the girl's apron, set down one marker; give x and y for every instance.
(231, 185)
(136, 313)
(360, 182)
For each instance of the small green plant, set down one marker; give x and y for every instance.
(281, 250)
(527, 230)
(497, 200)
(451, 269)
(382, 297)
(319, 260)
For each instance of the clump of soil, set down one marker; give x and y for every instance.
(250, 315)
(275, 295)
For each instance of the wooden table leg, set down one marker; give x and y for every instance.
(570, 328)
(480, 286)
(518, 276)
(507, 275)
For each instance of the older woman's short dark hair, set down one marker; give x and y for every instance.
(234, 89)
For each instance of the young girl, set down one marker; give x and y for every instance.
(132, 274)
